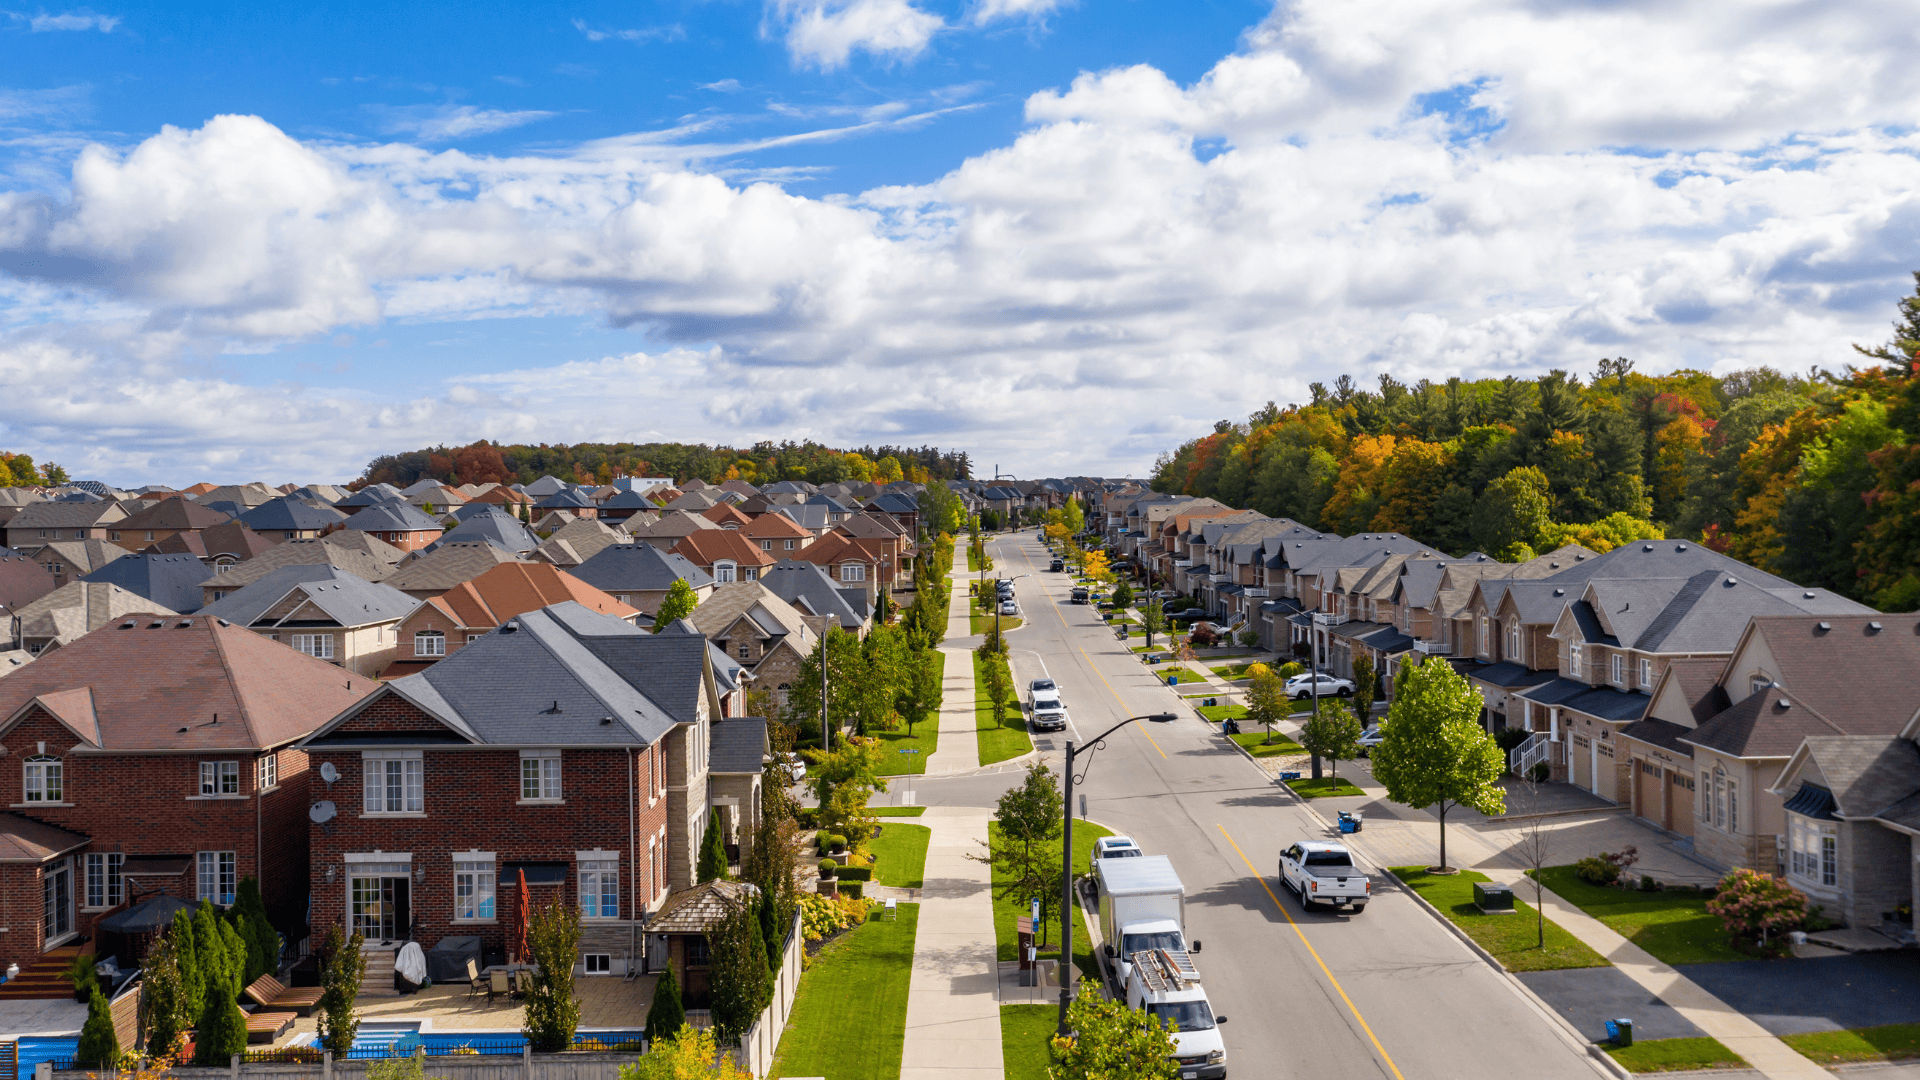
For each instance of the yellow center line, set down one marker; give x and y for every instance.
(1116, 697)
(1316, 954)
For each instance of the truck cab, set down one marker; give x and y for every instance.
(1321, 873)
(1166, 986)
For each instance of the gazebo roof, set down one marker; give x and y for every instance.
(699, 909)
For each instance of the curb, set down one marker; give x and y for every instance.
(1558, 814)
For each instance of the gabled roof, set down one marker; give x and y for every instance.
(870, 526)
(291, 514)
(739, 746)
(67, 515)
(447, 565)
(558, 676)
(701, 908)
(231, 538)
(174, 513)
(546, 485)
(672, 523)
(1856, 669)
(172, 581)
(78, 556)
(772, 616)
(705, 548)
(251, 494)
(894, 502)
(372, 495)
(78, 607)
(1861, 776)
(357, 553)
(491, 526)
(772, 526)
(343, 600)
(725, 515)
(808, 588)
(145, 679)
(391, 517)
(630, 500)
(513, 588)
(836, 547)
(564, 500)
(630, 568)
(579, 540)
(1769, 724)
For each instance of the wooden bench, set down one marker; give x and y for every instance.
(270, 993)
(267, 1026)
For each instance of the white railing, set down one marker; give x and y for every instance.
(1325, 618)
(1430, 648)
(1524, 757)
(1255, 593)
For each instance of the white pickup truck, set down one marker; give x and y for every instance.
(1165, 984)
(1321, 873)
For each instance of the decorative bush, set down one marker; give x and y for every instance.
(1606, 867)
(828, 868)
(822, 841)
(1290, 669)
(855, 873)
(222, 1031)
(98, 1044)
(837, 843)
(1752, 905)
(852, 889)
(1540, 772)
(821, 916)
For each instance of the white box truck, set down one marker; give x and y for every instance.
(1143, 907)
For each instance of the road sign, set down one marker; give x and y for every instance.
(1083, 804)
(916, 751)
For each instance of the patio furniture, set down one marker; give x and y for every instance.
(266, 1026)
(447, 960)
(269, 993)
(497, 986)
(893, 910)
(475, 984)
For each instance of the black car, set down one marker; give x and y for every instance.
(1058, 565)
(1080, 596)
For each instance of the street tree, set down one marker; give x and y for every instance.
(1364, 683)
(918, 698)
(1153, 619)
(1332, 732)
(843, 781)
(1434, 751)
(999, 687)
(1110, 1041)
(1025, 848)
(1267, 700)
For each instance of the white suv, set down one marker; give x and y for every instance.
(1301, 686)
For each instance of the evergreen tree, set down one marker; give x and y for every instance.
(553, 1013)
(666, 1015)
(193, 976)
(739, 975)
(99, 1046)
(343, 965)
(713, 851)
(771, 934)
(222, 1030)
(262, 942)
(167, 1018)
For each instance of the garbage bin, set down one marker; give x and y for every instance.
(1620, 1032)
(1172, 680)
(1350, 821)
(1492, 896)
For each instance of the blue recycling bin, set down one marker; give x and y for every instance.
(1290, 775)
(1173, 680)
(1349, 822)
(1620, 1032)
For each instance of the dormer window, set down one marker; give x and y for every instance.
(1513, 640)
(45, 779)
(429, 643)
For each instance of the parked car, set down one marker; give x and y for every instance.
(1057, 565)
(1008, 607)
(1038, 685)
(1321, 873)
(1164, 594)
(1049, 712)
(1080, 596)
(1302, 686)
(1369, 739)
(793, 766)
(1116, 847)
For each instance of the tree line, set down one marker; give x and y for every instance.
(587, 463)
(1815, 477)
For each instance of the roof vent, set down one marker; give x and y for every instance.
(1822, 627)
(554, 710)
(1783, 703)
(1559, 592)
(184, 624)
(1578, 558)
(1729, 583)
(1646, 547)
(1679, 547)
(605, 720)
(1550, 566)
(1808, 595)
(1874, 628)
(155, 625)
(126, 626)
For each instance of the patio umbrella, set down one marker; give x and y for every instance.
(520, 927)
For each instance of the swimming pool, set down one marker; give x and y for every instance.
(374, 1039)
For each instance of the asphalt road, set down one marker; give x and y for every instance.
(1387, 993)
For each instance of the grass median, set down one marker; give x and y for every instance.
(1327, 787)
(1006, 938)
(1026, 1035)
(900, 854)
(924, 740)
(850, 1018)
(980, 624)
(1888, 1042)
(1511, 939)
(1672, 924)
(1675, 1055)
(998, 741)
(1256, 743)
(897, 811)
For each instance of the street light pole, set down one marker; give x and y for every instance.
(1066, 858)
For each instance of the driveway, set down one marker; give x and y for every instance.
(1589, 997)
(1825, 993)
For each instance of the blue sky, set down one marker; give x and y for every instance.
(240, 244)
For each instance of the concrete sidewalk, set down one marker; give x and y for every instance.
(953, 1010)
(959, 749)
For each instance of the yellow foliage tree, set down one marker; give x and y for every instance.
(1356, 495)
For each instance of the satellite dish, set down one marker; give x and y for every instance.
(328, 772)
(322, 812)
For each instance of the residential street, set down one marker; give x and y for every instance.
(1389, 993)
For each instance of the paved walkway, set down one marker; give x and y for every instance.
(953, 1011)
(959, 735)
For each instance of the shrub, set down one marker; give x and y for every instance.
(828, 868)
(852, 889)
(1647, 884)
(553, 936)
(667, 1013)
(340, 974)
(838, 842)
(855, 873)
(1606, 867)
(1509, 737)
(1752, 905)
(98, 1043)
(821, 916)
(1289, 670)
(1540, 772)
(222, 1031)
(821, 841)
(1249, 638)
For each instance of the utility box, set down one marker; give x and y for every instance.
(1491, 896)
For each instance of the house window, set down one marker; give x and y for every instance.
(221, 568)
(269, 771)
(723, 573)
(1646, 672)
(473, 889)
(1829, 859)
(46, 780)
(471, 638)
(699, 955)
(1617, 667)
(217, 876)
(1812, 851)
(429, 643)
(540, 776)
(767, 545)
(1759, 682)
(598, 963)
(1573, 660)
(853, 572)
(318, 646)
(150, 536)
(1513, 640)
(789, 547)
(219, 778)
(746, 651)
(393, 784)
(599, 888)
(104, 886)
(1485, 645)
(115, 535)
(749, 573)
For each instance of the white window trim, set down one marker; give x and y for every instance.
(199, 889)
(216, 771)
(459, 858)
(267, 771)
(367, 757)
(1646, 672)
(424, 638)
(580, 859)
(109, 860)
(27, 789)
(308, 643)
(1573, 659)
(559, 778)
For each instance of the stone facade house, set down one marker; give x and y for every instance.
(761, 632)
(1852, 813)
(327, 614)
(441, 626)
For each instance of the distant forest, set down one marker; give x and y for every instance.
(1815, 478)
(586, 463)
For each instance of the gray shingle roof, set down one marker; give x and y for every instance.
(392, 517)
(494, 527)
(346, 599)
(172, 581)
(739, 745)
(289, 513)
(807, 587)
(628, 568)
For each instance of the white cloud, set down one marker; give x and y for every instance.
(826, 33)
(1368, 187)
(639, 36)
(445, 122)
(987, 11)
(72, 20)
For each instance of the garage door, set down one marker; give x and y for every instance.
(1680, 790)
(1646, 790)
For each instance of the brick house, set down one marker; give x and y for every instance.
(326, 613)
(568, 746)
(154, 756)
(640, 574)
(867, 565)
(777, 534)
(759, 631)
(396, 523)
(43, 522)
(442, 625)
(724, 554)
(164, 519)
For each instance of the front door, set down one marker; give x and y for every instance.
(56, 895)
(382, 907)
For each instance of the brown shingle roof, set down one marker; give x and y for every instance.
(1859, 676)
(515, 588)
(775, 527)
(702, 548)
(175, 513)
(446, 566)
(23, 839)
(699, 909)
(1769, 724)
(356, 553)
(226, 538)
(137, 682)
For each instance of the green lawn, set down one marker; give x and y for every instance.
(1674, 926)
(1676, 1055)
(1231, 671)
(1255, 742)
(1187, 674)
(1323, 788)
(925, 739)
(1005, 911)
(850, 1018)
(998, 742)
(1026, 1032)
(1512, 939)
(980, 624)
(897, 811)
(900, 853)
(1217, 713)
(1890, 1042)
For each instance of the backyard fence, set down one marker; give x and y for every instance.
(763, 1038)
(522, 1065)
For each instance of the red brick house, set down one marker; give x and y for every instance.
(154, 756)
(724, 554)
(464, 613)
(567, 746)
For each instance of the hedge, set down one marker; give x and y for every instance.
(855, 873)
(852, 888)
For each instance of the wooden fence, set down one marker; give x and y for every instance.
(576, 1065)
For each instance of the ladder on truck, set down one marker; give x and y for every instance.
(1165, 970)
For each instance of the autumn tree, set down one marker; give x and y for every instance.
(1433, 751)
